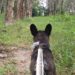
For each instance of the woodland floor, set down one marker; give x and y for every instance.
(20, 57)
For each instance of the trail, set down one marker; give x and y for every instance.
(20, 57)
(22, 60)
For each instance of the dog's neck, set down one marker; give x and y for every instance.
(42, 45)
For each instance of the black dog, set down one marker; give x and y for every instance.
(43, 38)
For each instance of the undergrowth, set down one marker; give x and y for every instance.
(62, 39)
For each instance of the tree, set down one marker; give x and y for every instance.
(23, 9)
(55, 6)
(2, 6)
(20, 9)
(52, 6)
(17, 9)
(61, 6)
(28, 6)
(9, 12)
(70, 6)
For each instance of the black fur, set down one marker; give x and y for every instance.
(48, 29)
(43, 38)
(33, 30)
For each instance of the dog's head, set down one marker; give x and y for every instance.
(40, 35)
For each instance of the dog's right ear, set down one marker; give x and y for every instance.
(33, 30)
(48, 29)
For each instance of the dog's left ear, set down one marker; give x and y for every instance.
(33, 29)
(48, 29)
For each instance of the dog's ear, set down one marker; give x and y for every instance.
(33, 30)
(48, 29)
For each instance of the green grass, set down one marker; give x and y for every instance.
(8, 69)
(62, 39)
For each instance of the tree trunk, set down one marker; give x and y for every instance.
(51, 7)
(17, 9)
(0, 5)
(20, 9)
(28, 7)
(9, 16)
(55, 5)
(61, 8)
(24, 9)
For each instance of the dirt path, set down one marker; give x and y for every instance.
(20, 57)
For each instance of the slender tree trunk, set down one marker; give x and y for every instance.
(51, 7)
(20, 9)
(3, 6)
(28, 7)
(9, 16)
(0, 5)
(54, 5)
(61, 8)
